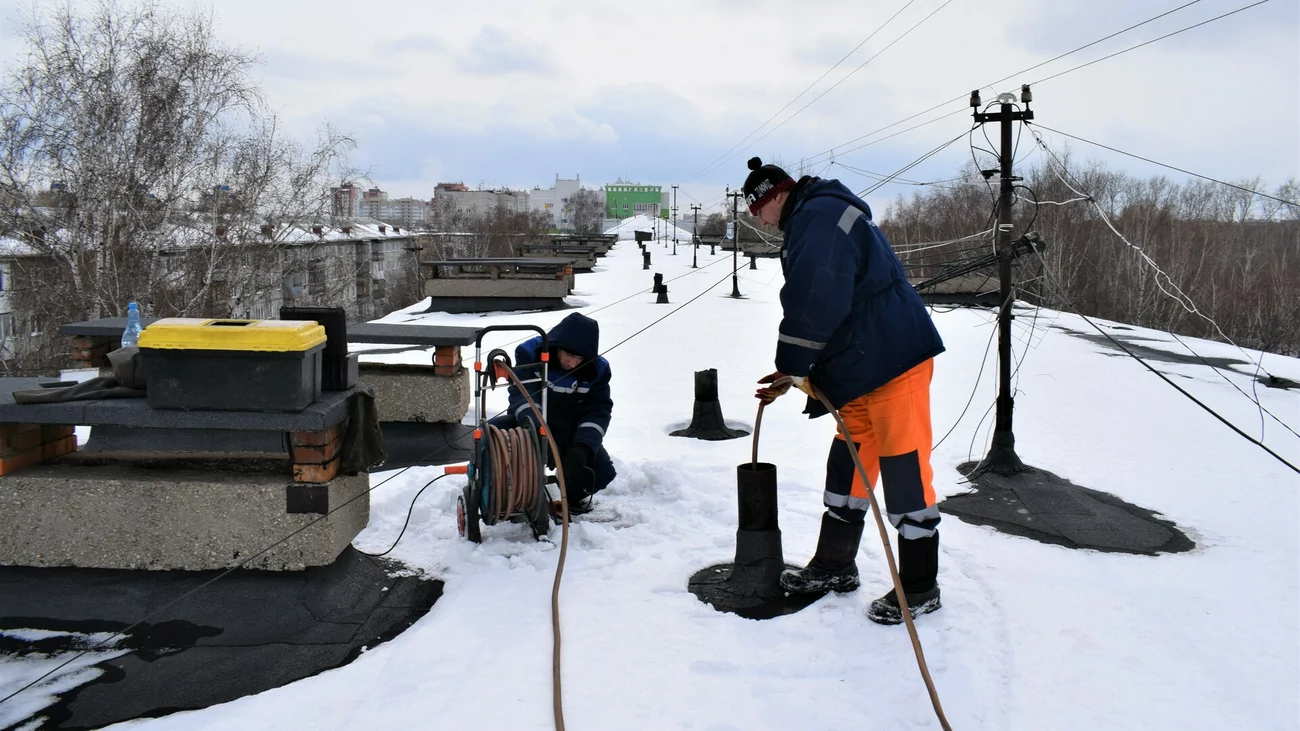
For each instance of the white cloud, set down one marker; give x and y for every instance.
(601, 88)
(495, 50)
(604, 135)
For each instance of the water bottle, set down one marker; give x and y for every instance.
(131, 335)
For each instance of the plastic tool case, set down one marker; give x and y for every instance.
(232, 365)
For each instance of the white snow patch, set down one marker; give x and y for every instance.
(1031, 636)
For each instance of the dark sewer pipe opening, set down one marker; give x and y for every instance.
(750, 586)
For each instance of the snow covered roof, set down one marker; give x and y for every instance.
(202, 233)
(627, 228)
(1031, 636)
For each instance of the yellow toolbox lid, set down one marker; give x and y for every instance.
(197, 333)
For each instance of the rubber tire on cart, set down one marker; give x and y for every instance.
(460, 514)
(471, 500)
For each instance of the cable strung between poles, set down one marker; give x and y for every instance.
(834, 150)
(1163, 165)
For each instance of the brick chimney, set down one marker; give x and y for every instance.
(383, 229)
(268, 230)
(317, 229)
(347, 230)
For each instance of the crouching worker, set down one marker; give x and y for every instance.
(578, 405)
(855, 329)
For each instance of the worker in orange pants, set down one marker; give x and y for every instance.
(853, 330)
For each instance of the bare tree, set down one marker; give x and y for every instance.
(588, 211)
(1231, 253)
(140, 159)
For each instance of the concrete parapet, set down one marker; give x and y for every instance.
(416, 393)
(455, 287)
(120, 516)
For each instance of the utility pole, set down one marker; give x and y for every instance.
(695, 238)
(735, 243)
(674, 220)
(1002, 458)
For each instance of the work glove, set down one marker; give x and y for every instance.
(780, 384)
(575, 468)
(803, 383)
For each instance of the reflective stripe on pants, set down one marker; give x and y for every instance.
(891, 430)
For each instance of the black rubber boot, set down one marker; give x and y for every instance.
(918, 570)
(832, 567)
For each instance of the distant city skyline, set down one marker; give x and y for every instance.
(512, 95)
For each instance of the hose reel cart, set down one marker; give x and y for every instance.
(507, 475)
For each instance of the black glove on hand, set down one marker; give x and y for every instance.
(573, 464)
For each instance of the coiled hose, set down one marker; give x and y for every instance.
(515, 472)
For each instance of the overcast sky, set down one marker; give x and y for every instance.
(513, 93)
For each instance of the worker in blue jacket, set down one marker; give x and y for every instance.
(853, 327)
(578, 404)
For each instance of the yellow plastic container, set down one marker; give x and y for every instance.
(261, 336)
(233, 365)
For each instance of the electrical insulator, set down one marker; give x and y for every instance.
(1026, 96)
(975, 99)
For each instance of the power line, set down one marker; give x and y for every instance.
(1061, 292)
(902, 131)
(909, 166)
(1147, 43)
(1182, 299)
(897, 180)
(1090, 45)
(1171, 167)
(960, 97)
(409, 512)
(842, 80)
(800, 94)
(974, 389)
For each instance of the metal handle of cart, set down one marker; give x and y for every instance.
(478, 364)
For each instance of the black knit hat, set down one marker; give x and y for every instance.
(764, 183)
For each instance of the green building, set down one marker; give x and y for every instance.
(624, 200)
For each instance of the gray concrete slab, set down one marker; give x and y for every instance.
(579, 261)
(247, 632)
(407, 392)
(121, 516)
(361, 332)
(458, 287)
(331, 409)
(458, 305)
(492, 261)
(1048, 508)
(426, 335)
